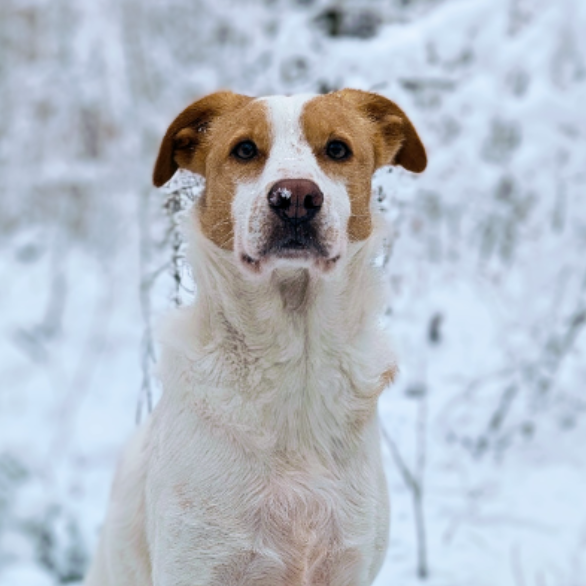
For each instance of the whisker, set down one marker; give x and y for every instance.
(222, 223)
(230, 238)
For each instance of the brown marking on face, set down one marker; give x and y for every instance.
(185, 142)
(202, 139)
(378, 133)
(328, 118)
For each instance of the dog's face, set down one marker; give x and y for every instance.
(288, 179)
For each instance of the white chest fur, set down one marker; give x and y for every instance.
(261, 463)
(265, 445)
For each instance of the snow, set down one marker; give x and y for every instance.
(284, 193)
(486, 275)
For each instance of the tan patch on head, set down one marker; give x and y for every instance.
(224, 172)
(328, 118)
(184, 143)
(201, 139)
(378, 133)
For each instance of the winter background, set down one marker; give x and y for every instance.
(485, 430)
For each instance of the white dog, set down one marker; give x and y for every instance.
(261, 466)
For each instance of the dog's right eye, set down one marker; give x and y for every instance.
(338, 150)
(245, 150)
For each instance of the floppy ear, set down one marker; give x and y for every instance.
(184, 142)
(398, 142)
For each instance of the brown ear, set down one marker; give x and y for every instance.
(400, 143)
(183, 142)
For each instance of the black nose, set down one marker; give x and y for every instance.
(295, 200)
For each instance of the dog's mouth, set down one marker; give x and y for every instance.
(293, 250)
(295, 246)
(290, 240)
(272, 243)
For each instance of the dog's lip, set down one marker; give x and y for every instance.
(293, 253)
(303, 250)
(293, 244)
(303, 254)
(295, 247)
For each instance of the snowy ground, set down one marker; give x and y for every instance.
(487, 276)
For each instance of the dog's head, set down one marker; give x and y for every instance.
(288, 179)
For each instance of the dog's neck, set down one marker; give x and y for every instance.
(291, 313)
(293, 345)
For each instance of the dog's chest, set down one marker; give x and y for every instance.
(299, 516)
(275, 486)
(290, 527)
(299, 509)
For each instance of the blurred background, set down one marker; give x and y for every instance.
(485, 430)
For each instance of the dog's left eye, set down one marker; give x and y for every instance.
(245, 150)
(338, 150)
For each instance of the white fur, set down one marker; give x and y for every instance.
(261, 464)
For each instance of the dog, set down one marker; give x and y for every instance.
(261, 464)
